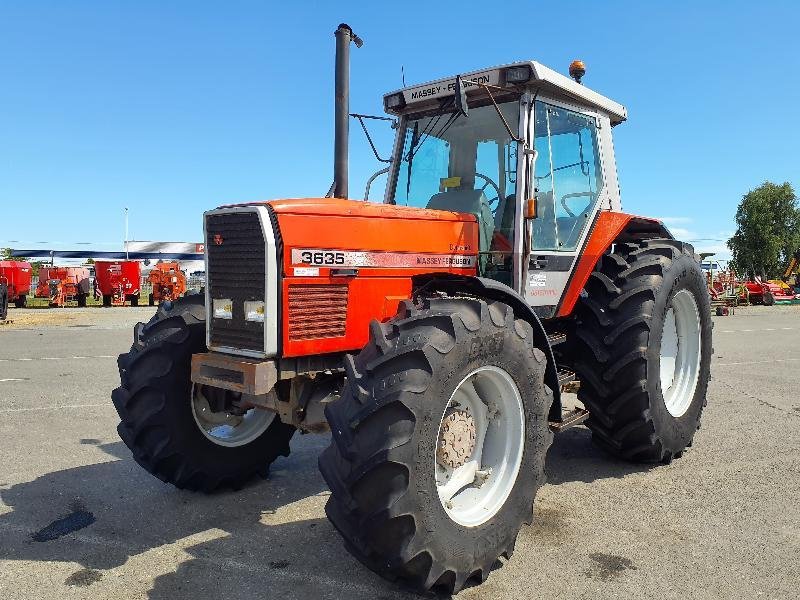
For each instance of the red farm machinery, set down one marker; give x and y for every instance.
(15, 284)
(757, 290)
(167, 281)
(432, 333)
(118, 281)
(61, 285)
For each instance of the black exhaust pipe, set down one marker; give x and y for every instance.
(344, 35)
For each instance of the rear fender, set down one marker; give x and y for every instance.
(609, 228)
(489, 289)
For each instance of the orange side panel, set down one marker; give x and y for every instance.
(606, 229)
(368, 298)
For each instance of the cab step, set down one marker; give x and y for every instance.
(556, 337)
(569, 419)
(565, 375)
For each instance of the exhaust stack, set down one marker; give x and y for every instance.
(344, 35)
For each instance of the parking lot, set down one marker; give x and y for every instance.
(79, 518)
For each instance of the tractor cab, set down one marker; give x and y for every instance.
(526, 150)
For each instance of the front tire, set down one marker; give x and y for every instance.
(160, 422)
(389, 481)
(643, 342)
(21, 301)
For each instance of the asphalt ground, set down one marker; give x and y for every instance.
(79, 518)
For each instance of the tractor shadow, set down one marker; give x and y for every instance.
(258, 542)
(573, 457)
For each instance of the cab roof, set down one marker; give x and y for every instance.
(541, 77)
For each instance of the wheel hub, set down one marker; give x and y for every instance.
(679, 357)
(227, 426)
(456, 439)
(479, 446)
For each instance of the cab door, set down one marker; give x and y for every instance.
(568, 187)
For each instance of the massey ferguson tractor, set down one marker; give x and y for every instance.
(432, 333)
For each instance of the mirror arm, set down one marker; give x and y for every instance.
(366, 133)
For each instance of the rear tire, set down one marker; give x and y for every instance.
(151, 301)
(106, 300)
(155, 409)
(382, 465)
(769, 299)
(21, 301)
(634, 298)
(134, 300)
(81, 300)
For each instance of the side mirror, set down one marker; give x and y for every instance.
(461, 97)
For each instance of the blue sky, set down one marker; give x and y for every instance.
(173, 108)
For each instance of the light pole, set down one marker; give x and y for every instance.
(126, 233)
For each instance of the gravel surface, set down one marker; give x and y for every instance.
(79, 518)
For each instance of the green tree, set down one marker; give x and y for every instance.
(5, 254)
(767, 229)
(35, 265)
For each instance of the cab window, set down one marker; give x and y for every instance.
(567, 177)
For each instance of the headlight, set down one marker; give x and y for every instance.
(518, 74)
(254, 311)
(395, 101)
(223, 308)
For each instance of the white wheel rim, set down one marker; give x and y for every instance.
(680, 353)
(475, 491)
(226, 429)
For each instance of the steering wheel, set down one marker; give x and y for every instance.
(488, 183)
(574, 195)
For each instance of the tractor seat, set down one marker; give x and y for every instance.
(544, 232)
(468, 201)
(504, 217)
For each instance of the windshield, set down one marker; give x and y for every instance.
(447, 152)
(463, 164)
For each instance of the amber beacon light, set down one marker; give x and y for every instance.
(577, 70)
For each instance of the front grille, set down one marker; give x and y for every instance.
(236, 270)
(317, 311)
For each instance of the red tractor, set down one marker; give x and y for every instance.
(118, 281)
(15, 284)
(167, 281)
(432, 333)
(63, 284)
